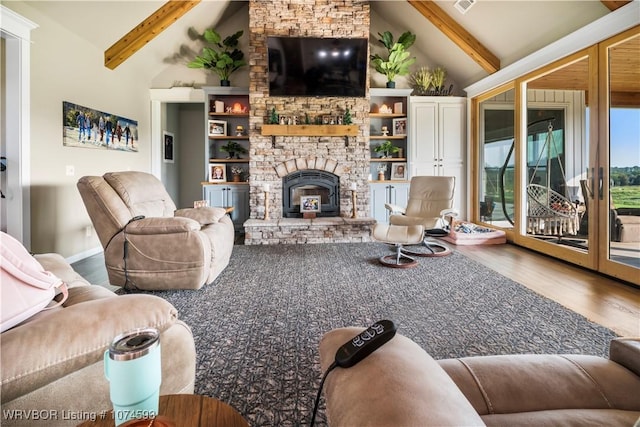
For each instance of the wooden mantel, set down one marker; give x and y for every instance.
(309, 130)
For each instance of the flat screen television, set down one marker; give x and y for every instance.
(307, 66)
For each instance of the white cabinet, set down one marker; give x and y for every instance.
(381, 193)
(230, 195)
(438, 141)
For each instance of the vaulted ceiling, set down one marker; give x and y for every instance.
(492, 34)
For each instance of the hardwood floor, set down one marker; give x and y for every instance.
(600, 299)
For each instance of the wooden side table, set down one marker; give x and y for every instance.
(188, 410)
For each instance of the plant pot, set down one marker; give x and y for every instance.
(391, 85)
(236, 177)
(380, 176)
(225, 83)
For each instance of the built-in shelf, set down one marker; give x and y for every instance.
(388, 159)
(228, 160)
(212, 113)
(309, 130)
(224, 183)
(387, 115)
(229, 137)
(387, 137)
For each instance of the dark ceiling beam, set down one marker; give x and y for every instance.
(461, 37)
(614, 4)
(146, 31)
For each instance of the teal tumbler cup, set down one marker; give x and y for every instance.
(133, 367)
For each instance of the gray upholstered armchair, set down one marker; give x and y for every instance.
(148, 244)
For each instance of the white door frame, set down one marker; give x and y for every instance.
(16, 30)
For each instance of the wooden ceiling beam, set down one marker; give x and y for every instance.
(614, 4)
(461, 37)
(146, 31)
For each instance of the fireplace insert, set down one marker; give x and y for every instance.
(310, 183)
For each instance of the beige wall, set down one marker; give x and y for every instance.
(67, 68)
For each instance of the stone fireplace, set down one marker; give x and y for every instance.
(283, 163)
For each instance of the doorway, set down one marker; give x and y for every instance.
(15, 205)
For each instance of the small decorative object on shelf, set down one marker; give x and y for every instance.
(233, 149)
(386, 149)
(238, 109)
(438, 77)
(236, 173)
(421, 80)
(239, 130)
(384, 109)
(399, 127)
(347, 119)
(399, 171)
(382, 168)
(384, 130)
(273, 117)
(217, 128)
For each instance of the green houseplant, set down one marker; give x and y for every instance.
(221, 56)
(233, 149)
(398, 58)
(386, 149)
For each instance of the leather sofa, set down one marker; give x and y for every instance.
(166, 248)
(52, 364)
(401, 385)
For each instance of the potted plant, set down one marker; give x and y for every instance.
(386, 148)
(233, 149)
(222, 56)
(236, 172)
(421, 80)
(438, 77)
(398, 57)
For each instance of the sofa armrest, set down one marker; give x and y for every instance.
(204, 216)
(52, 346)
(626, 352)
(57, 265)
(397, 385)
(162, 225)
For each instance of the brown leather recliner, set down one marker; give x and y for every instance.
(401, 385)
(53, 363)
(165, 248)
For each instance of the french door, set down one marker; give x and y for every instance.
(617, 187)
(557, 158)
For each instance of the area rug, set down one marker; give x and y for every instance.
(257, 327)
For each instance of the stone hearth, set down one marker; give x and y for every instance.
(299, 230)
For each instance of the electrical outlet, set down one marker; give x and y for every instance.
(71, 170)
(88, 231)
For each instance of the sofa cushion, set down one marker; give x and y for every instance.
(529, 382)
(71, 338)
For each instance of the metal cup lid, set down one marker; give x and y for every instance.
(134, 344)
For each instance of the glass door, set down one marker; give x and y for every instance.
(555, 159)
(495, 161)
(618, 175)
